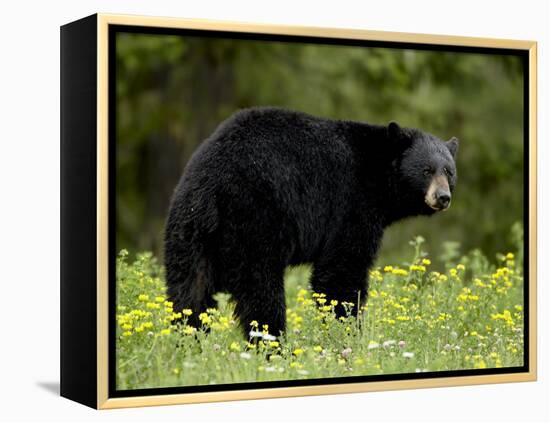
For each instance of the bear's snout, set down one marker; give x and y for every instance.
(438, 196)
(443, 199)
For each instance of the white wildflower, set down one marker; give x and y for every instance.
(268, 337)
(373, 345)
(346, 352)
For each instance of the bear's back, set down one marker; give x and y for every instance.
(279, 147)
(271, 124)
(297, 166)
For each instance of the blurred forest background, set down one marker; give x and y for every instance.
(172, 92)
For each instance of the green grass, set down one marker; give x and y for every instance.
(415, 320)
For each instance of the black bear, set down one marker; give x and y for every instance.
(272, 188)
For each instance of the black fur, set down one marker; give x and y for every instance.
(271, 188)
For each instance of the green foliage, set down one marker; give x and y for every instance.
(173, 91)
(415, 320)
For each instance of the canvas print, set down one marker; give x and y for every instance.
(299, 210)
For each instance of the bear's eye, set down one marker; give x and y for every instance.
(447, 172)
(427, 171)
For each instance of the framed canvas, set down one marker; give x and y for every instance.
(257, 211)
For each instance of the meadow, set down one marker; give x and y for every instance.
(467, 315)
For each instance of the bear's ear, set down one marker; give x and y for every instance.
(452, 145)
(394, 130)
(399, 139)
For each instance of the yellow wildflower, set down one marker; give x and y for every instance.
(479, 283)
(189, 330)
(481, 364)
(417, 268)
(205, 318)
(505, 316)
(298, 351)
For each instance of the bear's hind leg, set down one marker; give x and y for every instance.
(190, 281)
(260, 297)
(185, 299)
(343, 279)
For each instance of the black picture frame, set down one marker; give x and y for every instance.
(88, 218)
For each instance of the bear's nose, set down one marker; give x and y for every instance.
(443, 199)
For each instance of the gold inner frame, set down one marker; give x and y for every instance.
(103, 401)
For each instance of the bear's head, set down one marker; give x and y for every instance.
(425, 168)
